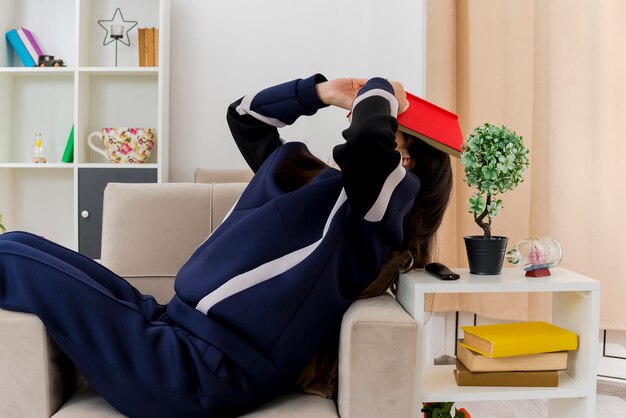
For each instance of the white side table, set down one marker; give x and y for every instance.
(576, 307)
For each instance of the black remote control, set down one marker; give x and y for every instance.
(441, 271)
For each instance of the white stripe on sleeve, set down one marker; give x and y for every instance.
(244, 109)
(393, 102)
(377, 211)
(268, 270)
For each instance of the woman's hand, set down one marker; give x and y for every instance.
(341, 92)
(403, 103)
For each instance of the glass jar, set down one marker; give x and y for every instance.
(38, 151)
(535, 253)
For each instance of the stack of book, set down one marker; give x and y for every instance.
(148, 47)
(25, 46)
(517, 354)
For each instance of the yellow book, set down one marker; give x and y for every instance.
(519, 338)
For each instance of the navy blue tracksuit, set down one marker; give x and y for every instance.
(258, 297)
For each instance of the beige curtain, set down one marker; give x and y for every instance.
(555, 72)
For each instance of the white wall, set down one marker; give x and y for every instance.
(222, 50)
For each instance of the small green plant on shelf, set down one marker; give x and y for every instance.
(495, 159)
(2, 228)
(443, 410)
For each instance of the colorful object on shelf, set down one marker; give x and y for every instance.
(536, 255)
(38, 151)
(14, 39)
(123, 145)
(68, 154)
(117, 29)
(49, 61)
(30, 43)
(443, 410)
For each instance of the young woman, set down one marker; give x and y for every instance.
(259, 296)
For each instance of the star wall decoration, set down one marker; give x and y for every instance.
(117, 20)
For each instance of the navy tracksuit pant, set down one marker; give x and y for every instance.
(125, 344)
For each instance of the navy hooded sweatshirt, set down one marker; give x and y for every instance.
(274, 279)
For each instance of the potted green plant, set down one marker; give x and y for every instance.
(443, 410)
(494, 158)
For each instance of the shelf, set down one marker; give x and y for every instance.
(37, 166)
(115, 99)
(511, 280)
(111, 165)
(575, 307)
(92, 52)
(440, 386)
(35, 101)
(113, 71)
(79, 165)
(90, 94)
(39, 71)
(40, 201)
(52, 23)
(36, 71)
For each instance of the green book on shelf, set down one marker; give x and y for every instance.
(68, 154)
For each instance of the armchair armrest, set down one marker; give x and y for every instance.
(377, 360)
(36, 376)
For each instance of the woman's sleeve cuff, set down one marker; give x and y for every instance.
(307, 94)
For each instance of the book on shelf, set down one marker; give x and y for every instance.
(30, 43)
(518, 338)
(148, 47)
(432, 124)
(476, 362)
(156, 47)
(142, 47)
(20, 49)
(543, 378)
(68, 154)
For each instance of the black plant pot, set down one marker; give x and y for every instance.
(485, 256)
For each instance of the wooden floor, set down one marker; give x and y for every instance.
(611, 403)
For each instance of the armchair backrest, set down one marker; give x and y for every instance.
(237, 175)
(150, 230)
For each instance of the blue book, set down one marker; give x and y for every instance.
(20, 49)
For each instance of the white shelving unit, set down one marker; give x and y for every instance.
(89, 94)
(576, 307)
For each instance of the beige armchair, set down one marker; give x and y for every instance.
(149, 231)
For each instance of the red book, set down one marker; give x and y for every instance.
(436, 126)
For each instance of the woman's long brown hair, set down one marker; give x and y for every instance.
(434, 170)
(431, 166)
(298, 170)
